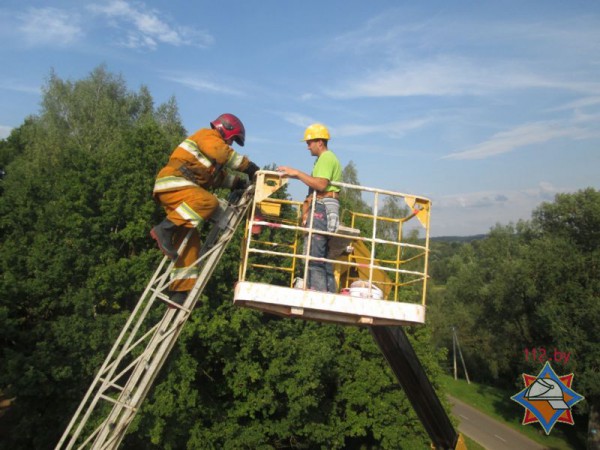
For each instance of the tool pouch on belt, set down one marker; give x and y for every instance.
(306, 209)
(187, 173)
(208, 178)
(308, 201)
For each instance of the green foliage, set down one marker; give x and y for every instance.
(440, 253)
(566, 263)
(572, 217)
(533, 285)
(75, 211)
(265, 382)
(351, 199)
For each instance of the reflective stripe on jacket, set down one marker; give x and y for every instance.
(206, 158)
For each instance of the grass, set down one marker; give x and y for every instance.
(471, 444)
(497, 404)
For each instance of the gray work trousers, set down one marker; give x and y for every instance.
(325, 218)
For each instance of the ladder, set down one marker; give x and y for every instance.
(127, 374)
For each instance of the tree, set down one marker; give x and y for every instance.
(573, 217)
(351, 199)
(75, 211)
(567, 266)
(533, 285)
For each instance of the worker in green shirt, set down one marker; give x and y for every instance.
(325, 216)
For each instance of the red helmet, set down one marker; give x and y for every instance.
(230, 127)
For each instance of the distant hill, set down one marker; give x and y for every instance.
(458, 238)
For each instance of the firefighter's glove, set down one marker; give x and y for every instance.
(235, 196)
(241, 184)
(251, 170)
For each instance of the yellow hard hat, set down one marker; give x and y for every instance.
(316, 131)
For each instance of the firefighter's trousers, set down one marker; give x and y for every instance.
(187, 208)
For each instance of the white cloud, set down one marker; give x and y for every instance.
(402, 32)
(145, 29)
(448, 75)
(488, 199)
(441, 76)
(521, 136)
(203, 84)
(5, 131)
(17, 86)
(581, 103)
(443, 55)
(297, 119)
(476, 212)
(307, 96)
(49, 26)
(390, 129)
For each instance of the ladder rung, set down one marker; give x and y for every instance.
(117, 402)
(124, 380)
(113, 385)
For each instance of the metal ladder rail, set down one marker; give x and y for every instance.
(102, 381)
(109, 384)
(163, 337)
(115, 427)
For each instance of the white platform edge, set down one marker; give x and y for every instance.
(325, 307)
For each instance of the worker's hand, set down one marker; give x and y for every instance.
(288, 171)
(251, 170)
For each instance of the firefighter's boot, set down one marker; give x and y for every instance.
(177, 297)
(163, 235)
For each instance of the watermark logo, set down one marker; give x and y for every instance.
(547, 398)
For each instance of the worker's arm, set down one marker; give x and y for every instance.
(317, 183)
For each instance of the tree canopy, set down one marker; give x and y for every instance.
(75, 211)
(531, 285)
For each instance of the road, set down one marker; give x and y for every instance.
(488, 432)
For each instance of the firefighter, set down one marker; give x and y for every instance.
(203, 161)
(325, 217)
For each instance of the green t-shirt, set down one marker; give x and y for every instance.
(328, 166)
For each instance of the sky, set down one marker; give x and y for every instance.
(486, 108)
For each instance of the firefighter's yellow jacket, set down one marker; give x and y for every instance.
(203, 159)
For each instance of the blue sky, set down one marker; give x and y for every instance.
(487, 108)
